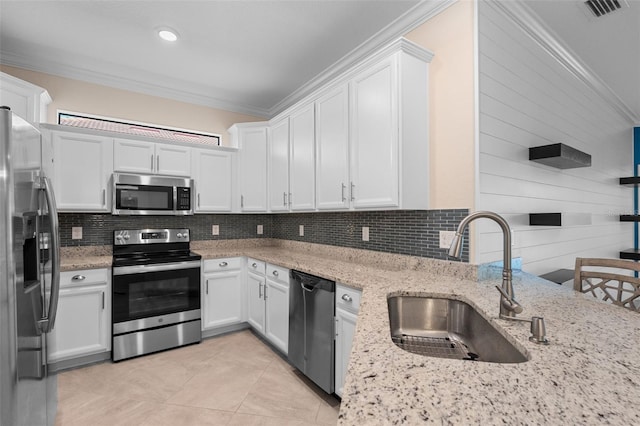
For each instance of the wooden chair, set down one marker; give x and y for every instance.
(612, 284)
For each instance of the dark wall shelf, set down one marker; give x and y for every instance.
(633, 181)
(630, 254)
(629, 218)
(560, 156)
(545, 219)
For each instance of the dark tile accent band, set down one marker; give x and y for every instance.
(410, 232)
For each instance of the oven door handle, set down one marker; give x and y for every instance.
(158, 267)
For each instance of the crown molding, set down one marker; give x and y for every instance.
(183, 93)
(527, 20)
(410, 20)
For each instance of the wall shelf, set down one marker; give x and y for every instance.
(630, 254)
(629, 218)
(545, 219)
(560, 156)
(630, 181)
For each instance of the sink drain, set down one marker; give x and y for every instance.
(441, 347)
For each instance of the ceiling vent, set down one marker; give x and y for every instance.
(604, 7)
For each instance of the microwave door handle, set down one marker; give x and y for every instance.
(47, 323)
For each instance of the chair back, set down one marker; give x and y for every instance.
(617, 284)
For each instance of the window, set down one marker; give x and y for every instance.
(139, 129)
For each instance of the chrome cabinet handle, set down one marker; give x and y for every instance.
(242, 201)
(353, 191)
(198, 199)
(223, 264)
(335, 327)
(254, 265)
(284, 199)
(103, 300)
(290, 197)
(344, 187)
(78, 278)
(104, 197)
(275, 273)
(259, 290)
(206, 288)
(346, 298)
(151, 162)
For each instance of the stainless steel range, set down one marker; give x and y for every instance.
(156, 292)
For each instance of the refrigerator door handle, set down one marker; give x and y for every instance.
(46, 323)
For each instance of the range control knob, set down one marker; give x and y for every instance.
(126, 236)
(179, 235)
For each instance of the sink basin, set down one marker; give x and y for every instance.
(447, 328)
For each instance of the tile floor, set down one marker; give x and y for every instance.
(234, 379)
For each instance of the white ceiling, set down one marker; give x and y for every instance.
(257, 56)
(609, 45)
(241, 55)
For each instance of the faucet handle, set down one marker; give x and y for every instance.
(509, 302)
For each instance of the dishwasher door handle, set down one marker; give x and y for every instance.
(305, 288)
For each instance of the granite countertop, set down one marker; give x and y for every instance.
(589, 374)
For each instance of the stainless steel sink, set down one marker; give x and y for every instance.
(447, 328)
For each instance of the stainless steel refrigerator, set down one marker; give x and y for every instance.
(29, 252)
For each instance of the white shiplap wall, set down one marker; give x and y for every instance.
(526, 99)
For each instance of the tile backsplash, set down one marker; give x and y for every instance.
(410, 232)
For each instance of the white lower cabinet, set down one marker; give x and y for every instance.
(347, 306)
(268, 302)
(222, 293)
(83, 320)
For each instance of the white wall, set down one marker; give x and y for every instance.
(528, 99)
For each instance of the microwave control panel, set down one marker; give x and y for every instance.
(184, 198)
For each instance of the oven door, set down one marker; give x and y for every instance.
(145, 291)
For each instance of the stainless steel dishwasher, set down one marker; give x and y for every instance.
(311, 313)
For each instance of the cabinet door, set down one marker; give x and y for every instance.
(374, 136)
(213, 175)
(222, 299)
(173, 160)
(82, 167)
(255, 306)
(279, 166)
(131, 156)
(253, 169)
(345, 329)
(302, 163)
(332, 150)
(82, 323)
(277, 314)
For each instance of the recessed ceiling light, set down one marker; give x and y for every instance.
(168, 34)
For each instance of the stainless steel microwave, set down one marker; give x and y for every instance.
(151, 195)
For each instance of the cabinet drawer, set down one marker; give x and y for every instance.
(278, 273)
(84, 277)
(348, 298)
(256, 266)
(223, 264)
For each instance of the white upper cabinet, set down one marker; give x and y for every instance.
(213, 174)
(332, 150)
(374, 136)
(361, 142)
(80, 168)
(251, 139)
(279, 166)
(134, 156)
(25, 99)
(302, 161)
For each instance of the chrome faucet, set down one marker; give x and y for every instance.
(508, 305)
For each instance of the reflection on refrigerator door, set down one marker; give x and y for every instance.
(28, 395)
